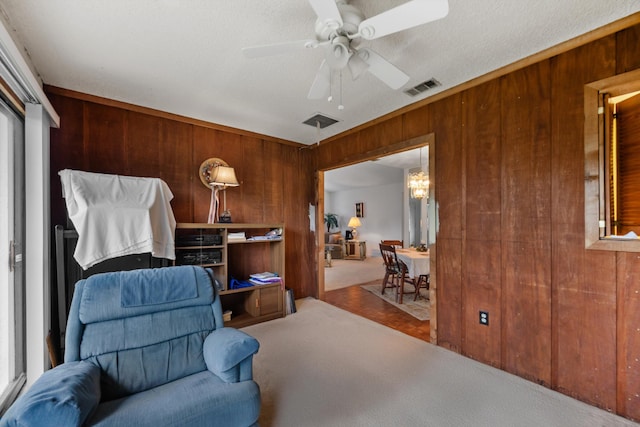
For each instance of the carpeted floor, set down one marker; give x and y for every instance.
(323, 366)
(347, 272)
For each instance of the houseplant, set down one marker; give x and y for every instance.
(331, 220)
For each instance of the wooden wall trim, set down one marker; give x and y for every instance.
(385, 150)
(573, 43)
(164, 115)
(12, 97)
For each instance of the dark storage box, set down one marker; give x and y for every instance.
(198, 258)
(199, 240)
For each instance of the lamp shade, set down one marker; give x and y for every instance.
(354, 222)
(223, 176)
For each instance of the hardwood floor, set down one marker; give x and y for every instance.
(358, 301)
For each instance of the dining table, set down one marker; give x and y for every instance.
(417, 262)
(418, 265)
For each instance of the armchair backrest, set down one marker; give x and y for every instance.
(143, 328)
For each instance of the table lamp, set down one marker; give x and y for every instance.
(216, 174)
(354, 222)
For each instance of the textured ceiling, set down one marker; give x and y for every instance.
(184, 57)
(374, 173)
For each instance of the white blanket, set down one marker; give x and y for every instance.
(118, 215)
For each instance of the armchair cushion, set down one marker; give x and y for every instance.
(334, 238)
(201, 399)
(64, 396)
(238, 347)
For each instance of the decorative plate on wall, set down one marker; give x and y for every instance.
(205, 169)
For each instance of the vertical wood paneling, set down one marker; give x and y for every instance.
(275, 183)
(386, 133)
(104, 145)
(296, 212)
(445, 118)
(629, 335)
(203, 148)
(526, 223)
(253, 181)
(449, 293)
(143, 143)
(482, 140)
(583, 282)
(415, 122)
(628, 50)
(482, 289)
(332, 154)
(66, 152)
(273, 199)
(175, 151)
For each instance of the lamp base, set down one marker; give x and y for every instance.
(225, 217)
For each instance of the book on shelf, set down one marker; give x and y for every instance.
(264, 275)
(265, 278)
(262, 282)
(236, 237)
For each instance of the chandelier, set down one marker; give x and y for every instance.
(418, 183)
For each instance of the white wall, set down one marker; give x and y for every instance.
(383, 212)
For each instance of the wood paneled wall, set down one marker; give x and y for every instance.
(509, 184)
(277, 181)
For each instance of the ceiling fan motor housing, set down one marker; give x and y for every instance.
(351, 18)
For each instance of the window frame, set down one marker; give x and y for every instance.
(595, 172)
(15, 139)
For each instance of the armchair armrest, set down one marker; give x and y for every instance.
(229, 352)
(63, 396)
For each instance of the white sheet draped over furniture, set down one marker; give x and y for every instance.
(417, 262)
(118, 215)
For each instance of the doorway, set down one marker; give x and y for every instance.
(371, 236)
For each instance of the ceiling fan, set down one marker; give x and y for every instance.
(339, 29)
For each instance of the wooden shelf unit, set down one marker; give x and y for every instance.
(237, 259)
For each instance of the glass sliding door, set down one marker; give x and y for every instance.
(12, 232)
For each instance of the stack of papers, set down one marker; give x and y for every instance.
(236, 237)
(264, 278)
(272, 237)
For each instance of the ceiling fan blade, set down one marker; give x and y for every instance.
(405, 16)
(278, 48)
(357, 65)
(391, 75)
(321, 83)
(327, 12)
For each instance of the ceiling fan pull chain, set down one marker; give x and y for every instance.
(330, 98)
(340, 106)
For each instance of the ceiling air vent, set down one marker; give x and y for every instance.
(320, 120)
(422, 87)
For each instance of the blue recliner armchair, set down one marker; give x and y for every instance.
(146, 348)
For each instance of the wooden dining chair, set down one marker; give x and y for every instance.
(422, 283)
(392, 269)
(397, 271)
(396, 243)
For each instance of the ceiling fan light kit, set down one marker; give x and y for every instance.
(339, 29)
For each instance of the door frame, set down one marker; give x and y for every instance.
(410, 144)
